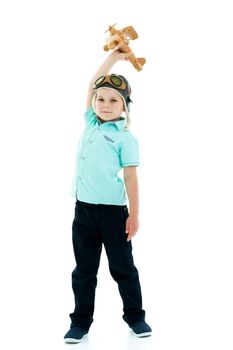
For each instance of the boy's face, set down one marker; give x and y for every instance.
(109, 105)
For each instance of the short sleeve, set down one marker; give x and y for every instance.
(129, 151)
(90, 115)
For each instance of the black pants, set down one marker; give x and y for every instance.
(93, 225)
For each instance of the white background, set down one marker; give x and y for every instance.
(182, 117)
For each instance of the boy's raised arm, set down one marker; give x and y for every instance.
(104, 69)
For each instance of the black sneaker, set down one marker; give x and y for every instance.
(141, 329)
(75, 335)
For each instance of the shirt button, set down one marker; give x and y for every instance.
(80, 178)
(83, 157)
(90, 141)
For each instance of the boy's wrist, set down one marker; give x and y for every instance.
(133, 214)
(112, 57)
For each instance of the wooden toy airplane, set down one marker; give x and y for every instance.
(123, 36)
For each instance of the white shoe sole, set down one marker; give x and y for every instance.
(141, 335)
(73, 340)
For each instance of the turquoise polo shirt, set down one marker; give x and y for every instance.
(103, 150)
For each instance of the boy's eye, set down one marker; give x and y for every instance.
(101, 99)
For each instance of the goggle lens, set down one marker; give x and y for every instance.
(99, 81)
(116, 81)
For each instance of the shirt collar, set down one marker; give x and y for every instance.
(120, 124)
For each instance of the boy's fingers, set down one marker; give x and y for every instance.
(117, 46)
(112, 38)
(121, 45)
(129, 53)
(126, 54)
(129, 237)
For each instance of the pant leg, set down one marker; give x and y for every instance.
(87, 245)
(121, 264)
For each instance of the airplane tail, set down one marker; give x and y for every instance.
(141, 61)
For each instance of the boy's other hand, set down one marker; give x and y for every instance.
(132, 225)
(119, 54)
